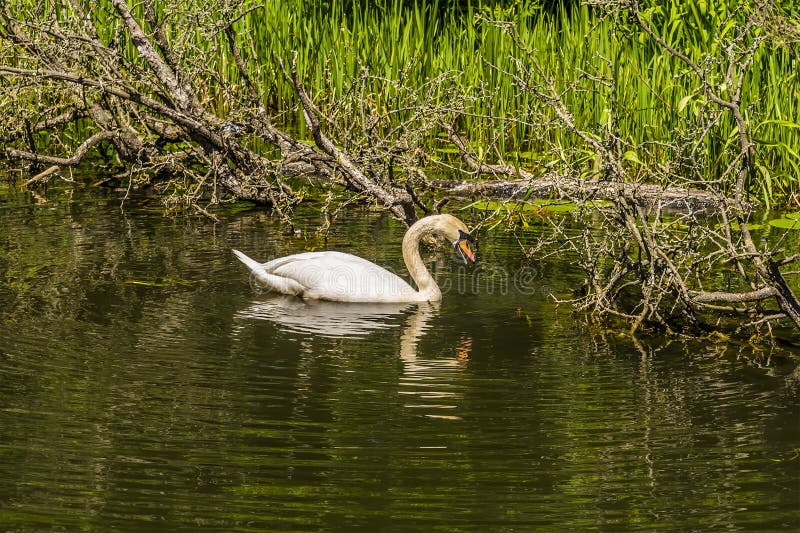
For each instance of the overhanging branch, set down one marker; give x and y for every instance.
(733, 297)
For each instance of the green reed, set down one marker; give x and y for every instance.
(656, 100)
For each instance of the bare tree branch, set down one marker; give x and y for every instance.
(398, 201)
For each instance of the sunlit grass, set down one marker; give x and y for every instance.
(656, 99)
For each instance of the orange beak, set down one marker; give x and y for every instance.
(466, 253)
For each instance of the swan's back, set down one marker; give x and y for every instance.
(334, 276)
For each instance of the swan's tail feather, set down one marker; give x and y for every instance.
(252, 264)
(265, 280)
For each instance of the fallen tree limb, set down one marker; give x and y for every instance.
(567, 187)
(57, 163)
(733, 297)
(76, 157)
(524, 185)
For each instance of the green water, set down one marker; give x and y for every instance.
(145, 386)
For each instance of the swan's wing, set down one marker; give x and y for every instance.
(281, 261)
(341, 277)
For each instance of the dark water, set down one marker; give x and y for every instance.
(144, 386)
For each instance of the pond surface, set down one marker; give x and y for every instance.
(145, 386)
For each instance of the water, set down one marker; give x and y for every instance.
(145, 386)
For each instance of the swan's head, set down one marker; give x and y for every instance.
(456, 232)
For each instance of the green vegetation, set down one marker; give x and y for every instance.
(652, 99)
(486, 62)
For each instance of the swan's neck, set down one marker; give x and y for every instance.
(426, 285)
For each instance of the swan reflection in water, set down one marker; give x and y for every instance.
(429, 379)
(324, 318)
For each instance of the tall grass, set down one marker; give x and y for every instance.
(657, 99)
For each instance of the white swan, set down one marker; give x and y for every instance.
(341, 277)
